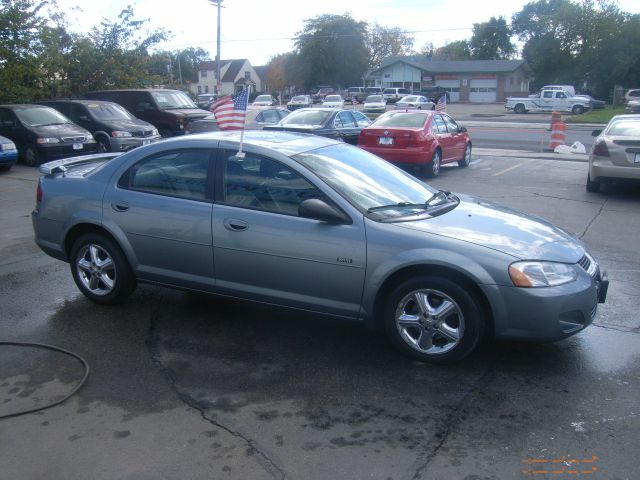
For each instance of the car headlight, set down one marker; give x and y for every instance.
(154, 132)
(541, 274)
(120, 134)
(42, 140)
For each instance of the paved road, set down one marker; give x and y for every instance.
(189, 386)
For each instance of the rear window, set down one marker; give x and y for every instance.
(402, 119)
(625, 128)
(308, 117)
(389, 90)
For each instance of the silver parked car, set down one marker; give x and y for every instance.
(615, 155)
(307, 222)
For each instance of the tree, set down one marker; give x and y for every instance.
(276, 72)
(332, 49)
(383, 42)
(458, 50)
(20, 22)
(492, 40)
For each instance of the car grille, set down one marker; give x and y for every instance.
(78, 138)
(590, 266)
(142, 133)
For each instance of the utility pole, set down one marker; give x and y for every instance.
(218, 3)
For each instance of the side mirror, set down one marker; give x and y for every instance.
(318, 209)
(462, 129)
(595, 133)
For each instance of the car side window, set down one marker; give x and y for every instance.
(451, 125)
(560, 95)
(439, 125)
(548, 94)
(344, 120)
(268, 116)
(361, 119)
(78, 111)
(262, 183)
(6, 118)
(181, 173)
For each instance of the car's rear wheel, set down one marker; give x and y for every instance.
(432, 169)
(577, 110)
(466, 159)
(434, 319)
(100, 269)
(592, 186)
(31, 156)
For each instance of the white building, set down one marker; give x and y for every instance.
(235, 74)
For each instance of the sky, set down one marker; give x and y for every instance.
(258, 29)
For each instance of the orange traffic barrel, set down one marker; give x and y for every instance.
(558, 134)
(555, 117)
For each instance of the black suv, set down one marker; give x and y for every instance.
(42, 133)
(168, 110)
(434, 93)
(113, 127)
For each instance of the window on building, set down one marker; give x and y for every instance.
(199, 89)
(247, 75)
(203, 74)
(206, 89)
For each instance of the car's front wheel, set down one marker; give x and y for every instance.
(577, 110)
(434, 319)
(31, 156)
(101, 270)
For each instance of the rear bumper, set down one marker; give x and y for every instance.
(601, 168)
(401, 156)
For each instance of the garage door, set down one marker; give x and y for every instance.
(483, 91)
(451, 86)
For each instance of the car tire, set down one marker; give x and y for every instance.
(5, 168)
(466, 159)
(432, 169)
(434, 319)
(100, 269)
(519, 108)
(104, 146)
(577, 110)
(31, 157)
(591, 185)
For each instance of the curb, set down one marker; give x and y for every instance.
(494, 152)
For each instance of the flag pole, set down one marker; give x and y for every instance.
(240, 153)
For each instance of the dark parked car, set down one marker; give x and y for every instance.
(204, 100)
(434, 93)
(322, 92)
(256, 119)
(113, 127)
(310, 223)
(168, 110)
(42, 133)
(343, 125)
(421, 139)
(8, 154)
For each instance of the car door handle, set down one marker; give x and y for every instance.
(120, 206)
(235, 225)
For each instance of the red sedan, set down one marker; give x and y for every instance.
(423, 139)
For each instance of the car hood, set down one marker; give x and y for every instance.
(503, 229)
(128, 125)
(188, 112)
(63, 130)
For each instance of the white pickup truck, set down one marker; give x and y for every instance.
(549, 100)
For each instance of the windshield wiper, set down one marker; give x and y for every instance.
(398, 205)
(440, 196)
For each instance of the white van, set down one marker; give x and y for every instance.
(392, 95)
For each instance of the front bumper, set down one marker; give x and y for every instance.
(124, 144)
(547, 314)
(8, 157)
(56, 151)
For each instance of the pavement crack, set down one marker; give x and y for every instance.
(153, 342)
(616, 328)
(452, 420)
(594, 218)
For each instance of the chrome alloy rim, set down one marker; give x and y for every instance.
(96, 269)
(467, 155)
(436, 163)
(429, 321)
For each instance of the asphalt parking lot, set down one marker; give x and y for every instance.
(190, 386)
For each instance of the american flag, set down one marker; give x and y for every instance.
(230, 111)
(441, 106)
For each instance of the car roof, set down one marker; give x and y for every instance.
(23, 106)
(287, 143)
(81, 101)
(139, 90)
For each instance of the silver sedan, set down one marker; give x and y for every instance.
(306, 222)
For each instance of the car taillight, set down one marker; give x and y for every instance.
(600, 149)
(39, 194)
(414, 140)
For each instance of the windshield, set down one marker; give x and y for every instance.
(40, 116)
(172, 99)
(625, 128)
(401, 119)
(410, 98)
(108, 111)
(333, 98)
(365, 180)
(263, 98)
(372, 90)
(307, 117)
(299, 98)
(374, 99)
